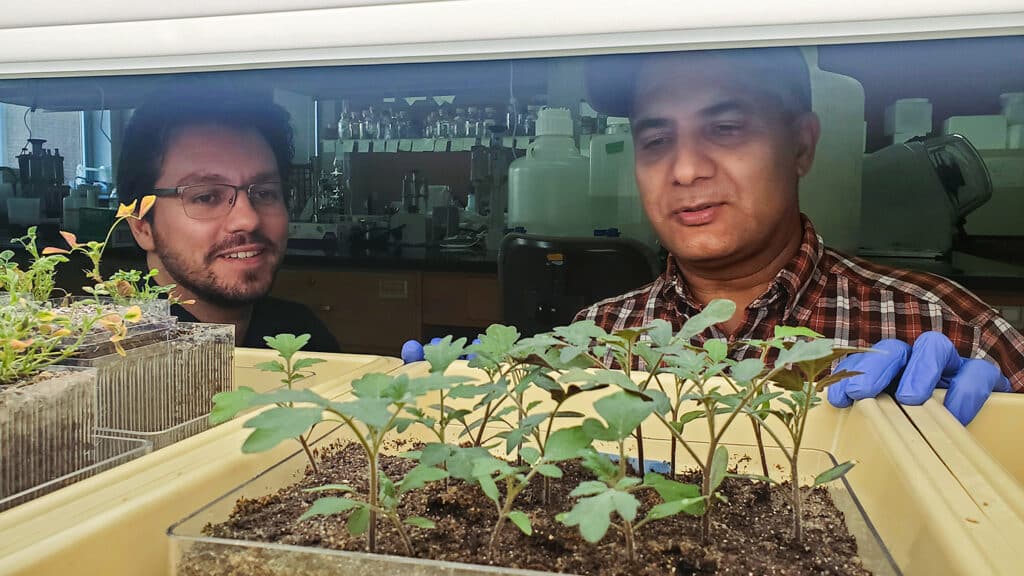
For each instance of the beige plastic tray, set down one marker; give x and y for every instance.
(985, 457)
(927, 520)
(115, 523)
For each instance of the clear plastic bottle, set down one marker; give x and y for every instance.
(830, 194)
(548, 187)
(614, 199)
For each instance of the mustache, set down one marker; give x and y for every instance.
(237, 240)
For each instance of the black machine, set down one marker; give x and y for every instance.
(546, 280)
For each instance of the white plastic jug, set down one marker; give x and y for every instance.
(548, 187)
(830, 193)
(614, 199)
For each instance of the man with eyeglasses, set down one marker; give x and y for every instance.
(219, 228)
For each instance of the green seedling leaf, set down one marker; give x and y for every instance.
(569, 353)
(747, 370)
(651, 357)
(549, 470)
(565, 444)
(490, 489)
(271, 366)
(467, 391)
(716, 312)
(494, 347)
(419, 477)
(670, 490)
(599, 464)
(435, 454)
(717, 350)
(441, 355)
(303, 363)
(804, 350)
(277, 425)
(373, 385)
(522, 521)
(834, 473)
(795, 332)
(790, 379)
(461, 461)
(527, 425)
(622, 413)
(287, 344)
(593, 514)
(227, 405)
(719, 462)
(581, 333)
(370, 411)
(694, 506)
(529, 454)
(660, 332)
(329, 506)
(358, 521)
(589, 488)
(420, 522)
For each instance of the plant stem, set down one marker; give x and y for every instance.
(630, 546)
(797, 528)
(309, 454)
(760, 447)
(406, 541)
(372, 497)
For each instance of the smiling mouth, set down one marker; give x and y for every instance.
(698, 207)
(243, 255)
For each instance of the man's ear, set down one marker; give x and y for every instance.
(807, 131)
(142, 230)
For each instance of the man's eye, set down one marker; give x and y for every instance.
(654, 142)
(266, 194)
(726, 129)
(205, 197)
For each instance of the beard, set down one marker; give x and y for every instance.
(199, 277)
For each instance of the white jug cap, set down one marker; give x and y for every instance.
(554, 122)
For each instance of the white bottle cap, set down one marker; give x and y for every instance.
(554, 122)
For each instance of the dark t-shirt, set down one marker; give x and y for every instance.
(273, 316)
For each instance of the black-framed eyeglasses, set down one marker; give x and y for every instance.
(210, 201)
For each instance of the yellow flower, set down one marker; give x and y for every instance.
(133, 314)
(125, 211)
(19, 345)
(147, 203)
(70, 238)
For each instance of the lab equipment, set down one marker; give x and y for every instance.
(41, 171)
(830, 192)
(614, 199)
(917, 195)
(908, 118)
(549, 187)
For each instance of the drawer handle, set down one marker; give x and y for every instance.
(325, 307)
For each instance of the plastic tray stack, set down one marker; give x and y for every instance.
(162, 391)
(99, 454)
(46, 428)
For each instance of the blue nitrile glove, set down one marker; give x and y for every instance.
(932, 362)
(412, 350)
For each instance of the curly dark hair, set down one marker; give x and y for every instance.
(160, 118)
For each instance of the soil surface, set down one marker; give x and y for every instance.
(750, 535)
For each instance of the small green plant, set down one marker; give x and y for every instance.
(33, 338)
(488, 471)
(613, 491)
(380, 407)
(38, 281)
(226, 405)
(519, 389)
(124, 287)
(804, 370)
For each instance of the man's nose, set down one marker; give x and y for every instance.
(691, 162)
(243, 217)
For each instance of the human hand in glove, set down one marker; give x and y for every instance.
(412, 350)
(932, 362)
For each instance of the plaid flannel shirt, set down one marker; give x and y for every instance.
(853, 301)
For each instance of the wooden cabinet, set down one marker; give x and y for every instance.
(461, 299)
(369, 312)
